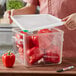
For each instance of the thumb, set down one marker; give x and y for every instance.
(66, 18)
(12, 12)
(9, 13)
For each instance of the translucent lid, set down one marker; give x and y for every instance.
(29, 23)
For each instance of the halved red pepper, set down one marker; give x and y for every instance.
(8, 59)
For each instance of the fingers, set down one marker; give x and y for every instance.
(67, 22)
(10, 20)
(7, 15)
(70, 25)
(70, 22)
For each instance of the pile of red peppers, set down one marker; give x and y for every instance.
(36, 46)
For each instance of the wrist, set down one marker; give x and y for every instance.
(15, 12)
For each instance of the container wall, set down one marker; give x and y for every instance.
(42, 47)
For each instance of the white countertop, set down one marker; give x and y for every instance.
(8, 25)
(6, 34)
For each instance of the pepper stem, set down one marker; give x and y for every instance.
(9, 53)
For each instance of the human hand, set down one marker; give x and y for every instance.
(70, 21)
(8, 14)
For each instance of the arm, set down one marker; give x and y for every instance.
(28, 9)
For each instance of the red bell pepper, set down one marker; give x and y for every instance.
(19, 38)
(8, 59)
(29, 42)
(21, 52)
(34, 54)
(45, 39)
(35, 40)
(44, 31)
(52, 55)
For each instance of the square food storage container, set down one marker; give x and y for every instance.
(38, 48)
(36, 41)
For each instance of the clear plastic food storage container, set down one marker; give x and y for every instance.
(41, 47)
